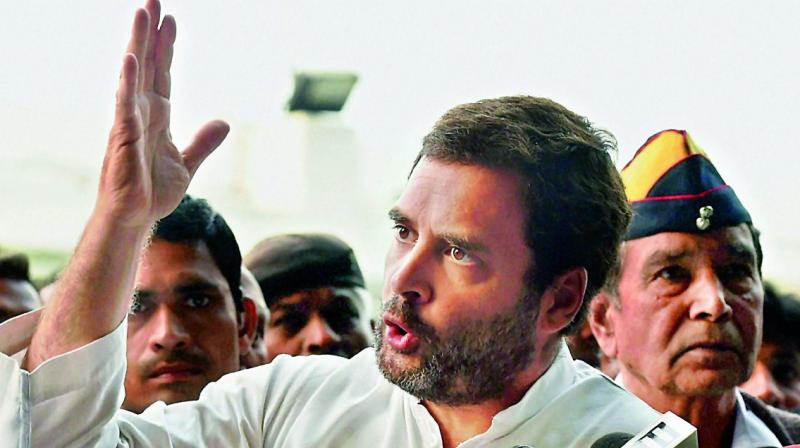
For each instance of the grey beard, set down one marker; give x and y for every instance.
(470, 362)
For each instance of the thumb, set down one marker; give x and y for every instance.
(207, 139)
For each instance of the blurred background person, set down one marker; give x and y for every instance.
(188, 324)
(315, 293)
(583, 346)
(776, 375)
(17, 293)
(257, 355)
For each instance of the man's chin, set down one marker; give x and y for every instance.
(708, 382)
(176, 396)
(178, 391)
(394, 363)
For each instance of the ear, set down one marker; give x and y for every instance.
(248, 319)
(562, 300)
(602, 314)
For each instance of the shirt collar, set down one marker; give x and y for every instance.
(556, 379)
(748, 431)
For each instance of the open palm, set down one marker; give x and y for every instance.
(144, 174)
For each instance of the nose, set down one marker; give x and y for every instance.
(167, 330)
(762, 385)
(318, 336)
(708, 298)
(408, 273)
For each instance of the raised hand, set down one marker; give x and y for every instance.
(144, 175)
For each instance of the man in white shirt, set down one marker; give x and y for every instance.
(513, 211)
(682, 315)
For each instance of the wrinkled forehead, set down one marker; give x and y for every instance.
(724, 243)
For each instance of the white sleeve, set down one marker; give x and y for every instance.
(73, 400)
(69, 400)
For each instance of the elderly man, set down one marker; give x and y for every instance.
(188, 324)
(683, 313)
(17, 294)
(315, 293)
(512, 213)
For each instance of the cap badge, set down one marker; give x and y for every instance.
(704, 221)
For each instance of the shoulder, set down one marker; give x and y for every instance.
(596, 397)
(289, 379)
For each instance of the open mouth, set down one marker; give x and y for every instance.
(175, 372)
(399, 336)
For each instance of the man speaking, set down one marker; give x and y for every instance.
(512, 214)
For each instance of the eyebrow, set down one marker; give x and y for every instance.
(184, 288)
(397, 216)
(740, 251)
(464, 242)
(662, 258)
(289, 308)
(194, 286)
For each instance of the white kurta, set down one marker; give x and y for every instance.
(318, 401)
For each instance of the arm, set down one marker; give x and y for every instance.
(143, 178)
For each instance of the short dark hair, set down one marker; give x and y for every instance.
(195, 221)
(781, 317)
(15, 267)
(576, 211)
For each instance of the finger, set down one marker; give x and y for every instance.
(153, 8)
(207, 139)
(138, 42)
(163, 62)
(126, 91)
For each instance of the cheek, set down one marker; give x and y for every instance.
(643, 334)
(219, 339)
(277, 342)
(747, 317)
(136, 346)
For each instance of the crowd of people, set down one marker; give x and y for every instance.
(523, 264)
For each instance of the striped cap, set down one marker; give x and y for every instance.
(672, 186)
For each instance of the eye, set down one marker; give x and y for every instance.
(197, 301)
(458, 254)
(291, 323)
(340, 315)
(137, 306)
(403, 233)
(735, 273)
(673, 274)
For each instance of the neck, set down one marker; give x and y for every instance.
(714, 416)
(460, 423)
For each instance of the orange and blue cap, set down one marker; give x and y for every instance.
(672, 186)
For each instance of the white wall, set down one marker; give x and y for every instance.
(726, 71)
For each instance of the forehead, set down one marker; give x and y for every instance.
(468, 199)
(314, 298)
(722, 243)
(165, 264)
